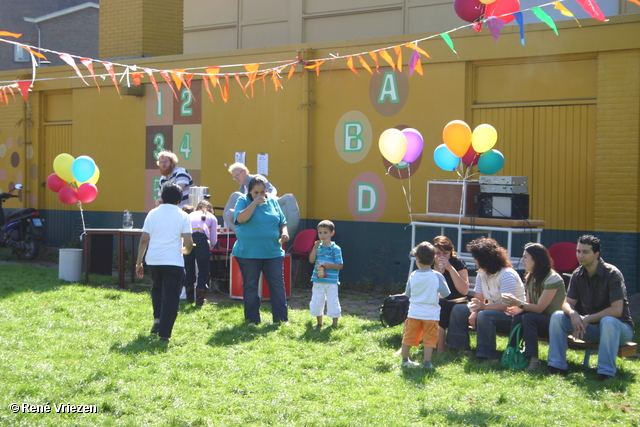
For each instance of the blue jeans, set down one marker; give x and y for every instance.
(488, 323)
(273, 273)
(200, 255)
(611, 333)
(534, 325)
(165, 295)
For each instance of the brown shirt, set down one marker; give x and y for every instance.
(597, 292)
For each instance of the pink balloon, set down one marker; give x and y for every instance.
(469, 10)
(87, 193)
(503, 7)
(68, 195)
(471, 158)
(415, 144)
(55, 183)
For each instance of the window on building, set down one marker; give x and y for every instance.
(20, 54)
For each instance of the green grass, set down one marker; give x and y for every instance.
(66, 343)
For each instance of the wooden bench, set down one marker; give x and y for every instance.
(627, 350)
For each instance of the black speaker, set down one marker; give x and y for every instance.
(495, 205)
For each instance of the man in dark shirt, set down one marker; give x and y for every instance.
(605, 317)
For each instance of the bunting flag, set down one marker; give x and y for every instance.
(277, 84)
(364, 64)
(449, 42)
(38, 54)
(88, 63)
(635, 1)
(176, 76)
(544, 17)
(315, 67)
(495, 26)
(252, 74)
(213, 72)
(592, 8)
(167, 78)
(566, 12)
(374, 56)
(520, 21)
(206, 78)
(244, 87)
(8, 34)
(415, 64)
(385, 55)
(224, 92)
(350, 65)
(415, 46)
(291, 71)
(24, 86)
(136, 78)
(187, 80)
(69, 60)
(13, 95)
(398, 51)
(153, 79)
(109, 67)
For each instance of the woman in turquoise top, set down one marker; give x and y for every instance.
(545, 295)
(261, 228)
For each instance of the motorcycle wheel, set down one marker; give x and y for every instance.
(31, 249)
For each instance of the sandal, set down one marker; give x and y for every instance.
(533, 365)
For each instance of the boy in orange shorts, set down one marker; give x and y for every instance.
(423, 288)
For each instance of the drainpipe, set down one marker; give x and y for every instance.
(306, 108)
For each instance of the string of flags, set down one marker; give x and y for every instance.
(274, 70)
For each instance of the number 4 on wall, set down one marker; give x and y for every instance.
(185, 145)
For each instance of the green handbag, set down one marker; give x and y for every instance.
(513, 357)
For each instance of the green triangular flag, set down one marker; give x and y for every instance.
(449, 42)
(544, 17)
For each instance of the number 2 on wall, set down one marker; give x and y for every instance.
(187, 99)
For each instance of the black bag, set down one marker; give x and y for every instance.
(393, 310)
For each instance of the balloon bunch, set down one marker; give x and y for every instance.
(475, 10)
(473, 148)
(401, 146)
(74, 179)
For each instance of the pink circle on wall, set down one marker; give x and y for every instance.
(3, 174)
(367, 197)
(9, 142)
(32, 200)
(19, 177)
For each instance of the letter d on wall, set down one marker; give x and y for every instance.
(367, 197)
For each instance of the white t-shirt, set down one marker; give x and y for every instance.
(423, 288)
(165, 225)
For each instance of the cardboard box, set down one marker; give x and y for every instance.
(453, 197)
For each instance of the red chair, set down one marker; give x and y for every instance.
(302, 246)
(564, 259)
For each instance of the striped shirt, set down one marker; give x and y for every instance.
(179, 176)
(505, 281)
(331, 254)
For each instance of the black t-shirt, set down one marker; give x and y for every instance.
(458, 264)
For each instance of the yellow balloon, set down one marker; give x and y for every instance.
(393, 145)
(487, 1)
(96, 176)
(457, 137)
(484, 137)
(62, 166)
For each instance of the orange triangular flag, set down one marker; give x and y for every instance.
(224, 92)
(167, 78)
(12, 94)
(176, 75)
(187, 80)
(350, 65)
(6, 98)
(213, 72)
(7, 33)
(109, 67)
(385, 55)
(244, 87)
(276, 80)
(415, 46)
(374, 56)
(398, 51)
(364, 64)
(38, 54)
(136, 78)
(153, 79)
(69, 60)
(87, 62)
(24, 86)
(291, 71)
(206, 85)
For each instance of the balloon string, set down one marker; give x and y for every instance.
(84, 229)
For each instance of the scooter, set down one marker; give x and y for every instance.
(23, 230)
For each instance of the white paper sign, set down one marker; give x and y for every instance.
(263, 164)
(240, 157)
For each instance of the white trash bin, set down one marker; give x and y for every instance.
(70, 265)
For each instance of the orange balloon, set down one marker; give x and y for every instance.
(457, 137)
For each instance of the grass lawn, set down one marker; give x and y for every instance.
(70, 344)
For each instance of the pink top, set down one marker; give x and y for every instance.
(208, 226)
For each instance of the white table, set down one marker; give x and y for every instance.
(467, 225)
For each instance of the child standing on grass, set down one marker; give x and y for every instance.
(423, 288)
(327, 257)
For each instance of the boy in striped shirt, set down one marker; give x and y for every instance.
(327, 257)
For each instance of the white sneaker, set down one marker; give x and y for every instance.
(410, 364)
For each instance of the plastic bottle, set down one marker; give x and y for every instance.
(127, 220)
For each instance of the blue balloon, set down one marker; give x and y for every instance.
(83, 168)
(445, 159)
(490, 162)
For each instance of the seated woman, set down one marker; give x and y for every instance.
(457, 277)
(485, 312)
(545, 295)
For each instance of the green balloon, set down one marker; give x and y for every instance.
(490, 162)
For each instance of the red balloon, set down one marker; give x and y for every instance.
(468, 10)
(68, 195)
(87, 193)
(471, 158)
(55, 183)
(503, 7)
